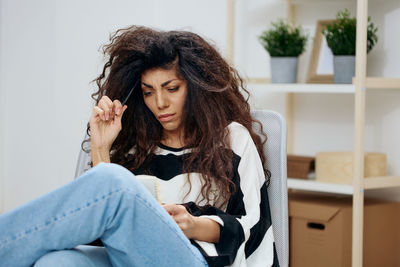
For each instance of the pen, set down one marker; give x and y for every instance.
(130, 92)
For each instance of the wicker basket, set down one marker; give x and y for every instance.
(300, 166)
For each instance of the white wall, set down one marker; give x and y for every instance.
(2, 117)
(49, 54)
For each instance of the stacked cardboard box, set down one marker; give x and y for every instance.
(321, 231)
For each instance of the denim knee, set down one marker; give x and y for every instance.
(113, 175)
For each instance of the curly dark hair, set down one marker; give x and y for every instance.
(214, 100)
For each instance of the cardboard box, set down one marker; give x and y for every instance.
(337, 167)
(321, 232)
(300, 166)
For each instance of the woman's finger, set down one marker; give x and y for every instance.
(110, 106)
(117, 118)
(176, 210)
(117, 107)
(99, 112)
(125, 107)
(106, 107)
(170, 208)
(106, 99)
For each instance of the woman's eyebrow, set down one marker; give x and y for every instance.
(162, 85)
(147, 85)
(167, 82)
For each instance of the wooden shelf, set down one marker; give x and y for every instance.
(381, 182)
(315, 186)
(382, 83)
(312, 2)
(309, 88)
(346, 189)
(371, 83)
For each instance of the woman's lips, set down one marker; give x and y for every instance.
(166, 117)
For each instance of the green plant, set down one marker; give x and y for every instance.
(341, 34)
(284, 40)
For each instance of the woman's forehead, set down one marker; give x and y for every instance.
(159, 75)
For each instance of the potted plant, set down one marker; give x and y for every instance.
(341, 39)
(284, 43)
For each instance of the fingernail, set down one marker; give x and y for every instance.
(107, 117)
(118, 111)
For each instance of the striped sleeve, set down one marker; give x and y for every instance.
(246, 237)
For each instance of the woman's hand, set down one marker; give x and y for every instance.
(183, 218)
(202, 229)
(105, 123)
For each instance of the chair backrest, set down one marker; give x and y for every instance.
(274, 125)
(84, 158)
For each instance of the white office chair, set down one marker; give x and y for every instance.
(274, 125)
(84, 159)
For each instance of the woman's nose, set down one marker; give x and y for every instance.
(162, 101)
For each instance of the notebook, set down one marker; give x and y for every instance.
(152, 185)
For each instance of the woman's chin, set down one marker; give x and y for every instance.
(170, 126)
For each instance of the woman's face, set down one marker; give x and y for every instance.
(165, 95)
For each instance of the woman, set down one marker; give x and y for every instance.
(182, 120)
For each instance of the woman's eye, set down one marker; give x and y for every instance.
(146, 93)
(173, 89)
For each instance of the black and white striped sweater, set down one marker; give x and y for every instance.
(246, 237)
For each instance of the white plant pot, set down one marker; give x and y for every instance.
(344, 69)
(284, 69)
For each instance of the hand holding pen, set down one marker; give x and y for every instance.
(105, 123)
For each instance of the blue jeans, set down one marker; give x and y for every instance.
(106, 202)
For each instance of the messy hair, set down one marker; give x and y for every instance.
(214, 100)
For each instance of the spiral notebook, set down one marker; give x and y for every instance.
(152, 184)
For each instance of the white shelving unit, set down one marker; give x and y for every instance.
(310, 88)
(361, 84)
